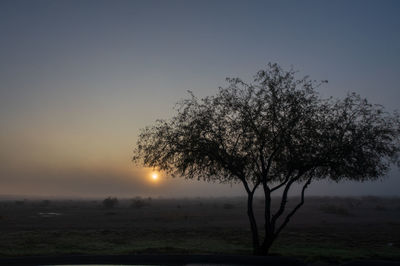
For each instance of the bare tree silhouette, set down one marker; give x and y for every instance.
(270, 134)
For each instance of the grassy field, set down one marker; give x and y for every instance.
(325, 229)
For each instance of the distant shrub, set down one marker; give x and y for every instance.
(334, 209)
(19, 202)
(45, 203)
(110, 202)
(138, 203)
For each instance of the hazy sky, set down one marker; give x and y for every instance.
(78, 79)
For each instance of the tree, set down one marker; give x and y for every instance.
(110, 203)
(268, 135)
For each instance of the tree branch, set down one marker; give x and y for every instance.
(246, 185)
(250, 213)
(287, 219)
(254, 158)
(270, 161)
(255, 186)
(281, 184)
(267, 191)
(284, 199)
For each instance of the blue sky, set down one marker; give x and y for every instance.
(78, 79)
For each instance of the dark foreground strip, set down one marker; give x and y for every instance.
(153, 260)
(372, 263)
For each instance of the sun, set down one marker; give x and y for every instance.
(154, 176)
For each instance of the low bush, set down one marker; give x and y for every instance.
(110, 202)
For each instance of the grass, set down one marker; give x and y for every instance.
(331, 230)
(308, 247)
(110, 242)
(335, 252)
(336, 210)
(336, 247)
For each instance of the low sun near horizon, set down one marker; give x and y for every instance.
(154, 176)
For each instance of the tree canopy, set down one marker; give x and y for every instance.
(272, 133)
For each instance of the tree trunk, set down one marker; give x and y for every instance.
(253, 225)
(269, 230)
(267, 243)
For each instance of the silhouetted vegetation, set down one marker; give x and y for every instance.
(110, 202)
(138, 203)
(270, 134)
(19, 202)
(45, 203)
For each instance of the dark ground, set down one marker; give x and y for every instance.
(327, 230)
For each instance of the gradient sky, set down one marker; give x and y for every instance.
(78, 79)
